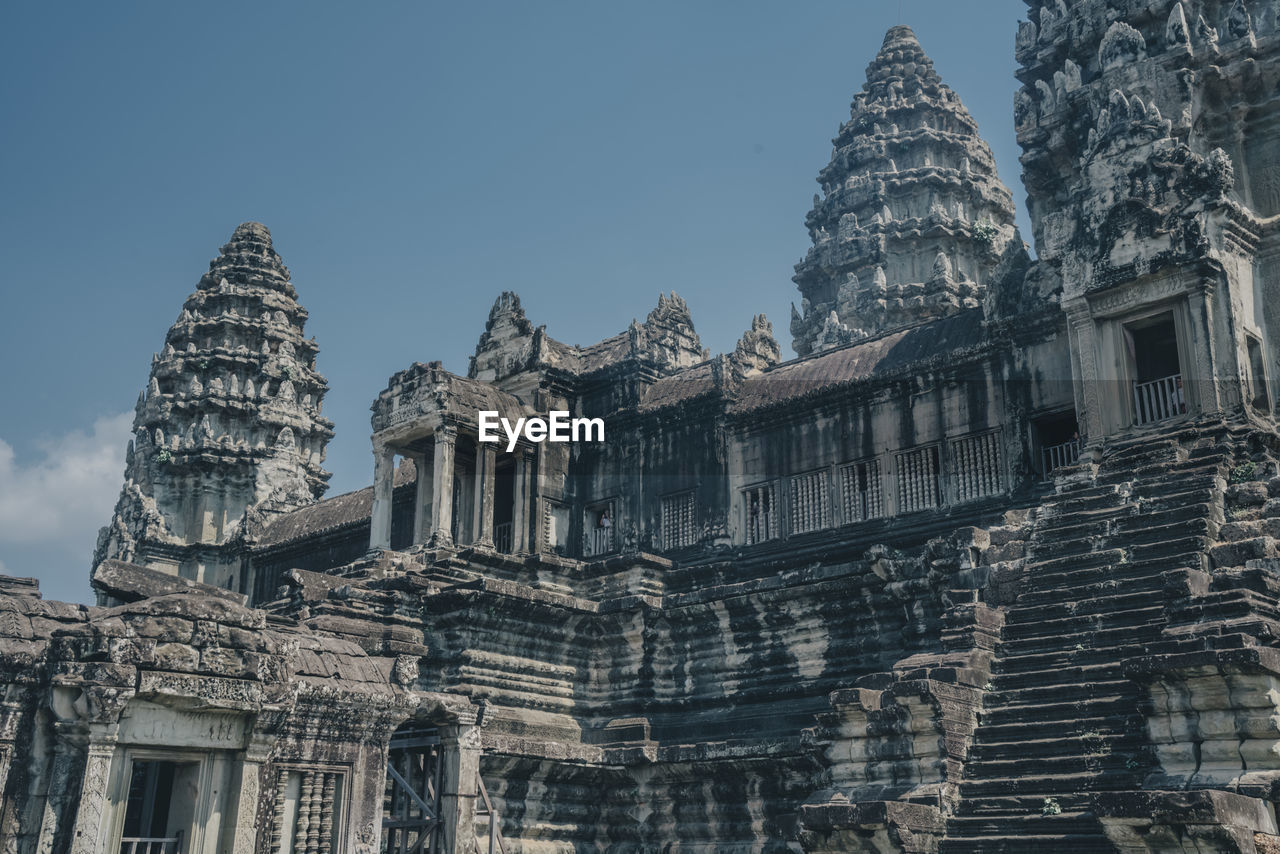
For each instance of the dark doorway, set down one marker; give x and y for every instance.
(411, 815)
(160, 810)
(1057, 441)
(1158, 391)
(1155, 349)
(504, 505)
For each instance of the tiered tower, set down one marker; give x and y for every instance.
(913, 219)
(229, 427)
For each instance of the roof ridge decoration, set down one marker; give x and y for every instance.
(512, 345)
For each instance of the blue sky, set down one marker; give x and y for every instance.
(412, 161)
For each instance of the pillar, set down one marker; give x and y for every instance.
(524, 503)
(1087, 381)
(70, 741)
(422, 502)
(87, 837)
(460, 752)
(442, 487)
(245, 817)
(384, 471)
(486, 461)
(1201, 365)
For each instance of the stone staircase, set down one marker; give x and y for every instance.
(1112, 555)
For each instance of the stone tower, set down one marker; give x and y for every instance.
(913, 218)
(229, 426)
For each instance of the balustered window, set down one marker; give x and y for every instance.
(760, 503)
(599, 529)
(810, 502)
(861, 492)
(162, 806)
(677, 521)
(1157, 387)
(918, 480)
(976, 470)
(307, 813)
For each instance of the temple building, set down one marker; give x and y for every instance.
(990, 565)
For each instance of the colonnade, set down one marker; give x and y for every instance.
(434, 511)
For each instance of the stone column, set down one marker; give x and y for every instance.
(70, 740)
(442, 487)
(87, 838)
(486, 461)
(384, 472)
(460, 747)
(422, 505)
(524, 504)
(1200, 376)
(245, 817)
(1087, 382)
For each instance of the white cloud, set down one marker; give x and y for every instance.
(56, 501)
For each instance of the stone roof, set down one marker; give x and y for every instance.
(678, 388)
(604, 353)
(332, 513)
(867, 360)
(878, 357)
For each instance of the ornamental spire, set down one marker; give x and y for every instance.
(234, 375)
(910, 181)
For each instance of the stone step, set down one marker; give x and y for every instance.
(1071, 675)
(1146, 535)
(1227, 604)
(1049, 566)
(1065, 712)
(1139, 530)
(1158, 474)
(1019, 731)
(1064, 659)
(1167, 507)
(1071, 573)
(1107, 685)
(1069, 520)
(1129, 452)
(1158, 484)
(1195, 543)
(1183, 495)
(1081, 638)
(1080, 491)
(1071, 528)
(1078, 503)
(1088, 581)
(1065, 548)
(1075, 744)
(1087, 623)
(1102, 760)
(1056, 843)
(1108, 598)
(1052, 785)
(1167, 516)
(1014, 806)
(1022, 826)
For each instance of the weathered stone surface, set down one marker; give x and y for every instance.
(991, 567)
